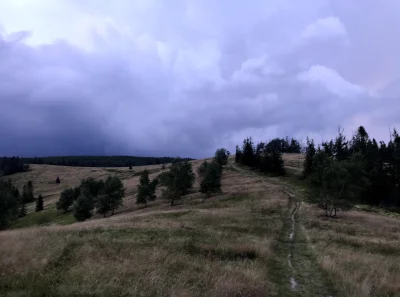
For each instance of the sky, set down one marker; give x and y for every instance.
(185, 77)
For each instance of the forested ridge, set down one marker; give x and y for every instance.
(101, 161)
(11, 165)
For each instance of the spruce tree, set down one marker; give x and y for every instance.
(83, 208)
(248, 152)
(177, 181)
(111, 197)
(211, 179)
(9, 205)
(39, 203)
(66, 199)
(30, 196)
(222, 156)
(25, 198)
(146, 189)
(22, 210)
(238, 155)
(308, 161)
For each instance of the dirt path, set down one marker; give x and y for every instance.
(294, 268)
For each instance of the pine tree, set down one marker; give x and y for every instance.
(177, 181)
(22, 210)
(211, 179)
(112, 195)
(222, 156)
(83, 208)
(146, 189)
(248, 152)
(238, 155)
(57, 180)
(39, 203)
(308, 161)
(30, 196)
(66, 199)
(276, 167)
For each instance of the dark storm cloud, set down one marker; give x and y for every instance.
(150, 79)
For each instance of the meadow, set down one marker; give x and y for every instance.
(259, 237)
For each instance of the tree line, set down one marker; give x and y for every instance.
(13, 203)
(11, 165)
(104, 197)
(342, 172)
(100, 161)
(265, 156)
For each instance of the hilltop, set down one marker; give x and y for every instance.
(257, 238)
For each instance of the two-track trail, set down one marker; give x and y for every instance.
(294, 269)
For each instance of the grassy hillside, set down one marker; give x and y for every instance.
(258, 238)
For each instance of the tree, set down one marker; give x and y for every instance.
(337, 184)
(221, 156)
(203, 168)
(211, 178)
(83, 208)
(111, 197)
(272, 163)
(276, 163)
(66, 199)
(9, 205)
(30, 196)
(39, 203)
(22, 210)
(57, 180)
(77, 192)
(146, 189)
(24, 194)
(95, 187)
(177, 181)
(308, 161)
(248, 152)
(130, 167)
(238, 155)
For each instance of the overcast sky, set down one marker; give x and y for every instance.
(184, 77)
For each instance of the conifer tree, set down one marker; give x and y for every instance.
(66, 199)
(39, 203)
(30, 196)
(83, 207)
(177, 181)
(146, 189)
(308, 161)
(211, 179)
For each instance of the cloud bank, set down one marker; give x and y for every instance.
(147, 78)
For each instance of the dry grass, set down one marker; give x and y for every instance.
(360, 251)
(222, 246)
(203, 247)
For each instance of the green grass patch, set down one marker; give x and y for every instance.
(45, 217)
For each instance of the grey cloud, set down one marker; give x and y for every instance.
(187, 78)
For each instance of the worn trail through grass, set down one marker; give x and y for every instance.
(294, 268)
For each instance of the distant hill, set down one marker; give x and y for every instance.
(100, 161)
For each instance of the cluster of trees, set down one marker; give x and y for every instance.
(102, 196)
(13, 204)
(100, 161)
(179, 179)
(12, 165)
(342, 172)
(267, 157)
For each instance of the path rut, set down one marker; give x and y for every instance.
(294, 268)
